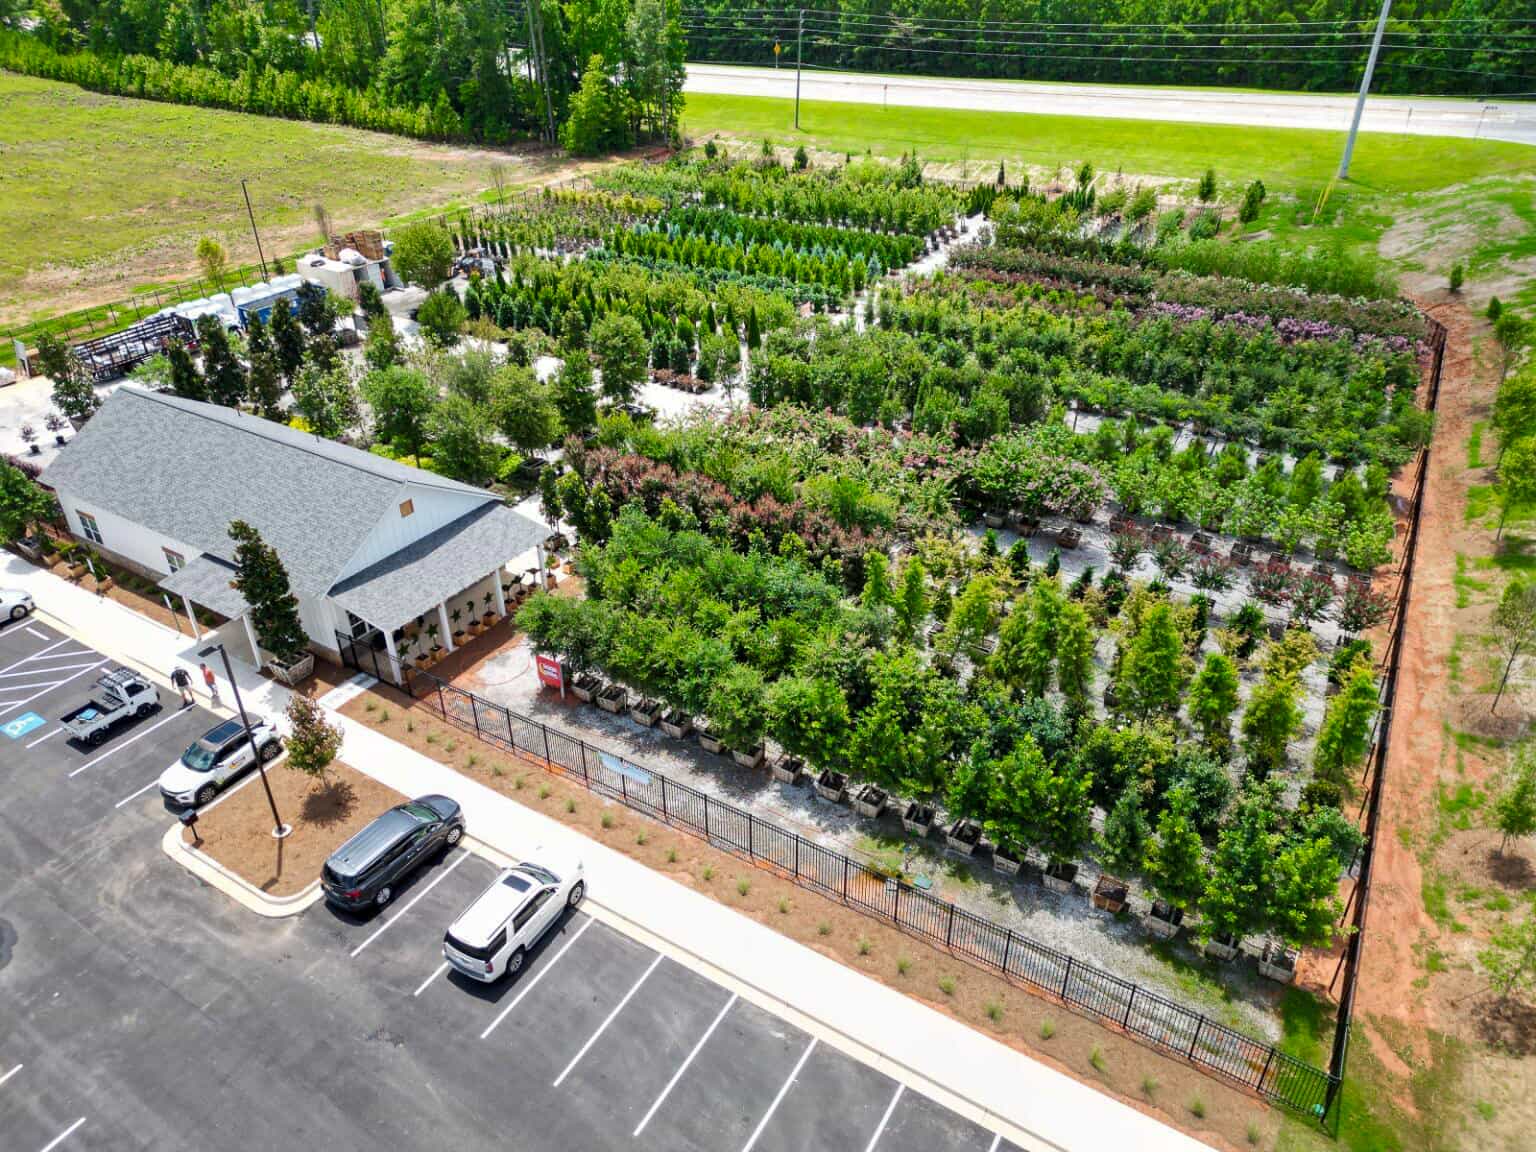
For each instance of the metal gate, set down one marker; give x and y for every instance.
(367, 654)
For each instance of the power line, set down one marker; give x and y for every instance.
(1099, 27)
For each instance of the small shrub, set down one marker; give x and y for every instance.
(947, 985)
(671, 855)
(383, 715)
(641, 838)
(431, 737)
(370, 706)
(496, 771)
(518, 782)
(450, 745)
(708, 873)
(1047, 1029)
(1197, 1108)
(1458, 276)
(471, 760)
(607, 820)
(410, 725)
(743, 886)
(783, 906)
(570, 806)
(995, 1012)
(865, 946)
(543, 791)
(1148, 1085)
(903, 965)
(823, 929)
(1096, 1058)
(1254, 1132)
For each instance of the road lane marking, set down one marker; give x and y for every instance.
(427, 983)
(51, 687)
(36, 654)
(537, 976)
(40, 739)
(11, 1073)
(119, 747)
(136, 795)
(886, 1119)
(436, 880)
(678, 1075)
(783, 1092)
(62, 1136)
(603, 1027)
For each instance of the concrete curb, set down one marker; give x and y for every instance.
(241, 891)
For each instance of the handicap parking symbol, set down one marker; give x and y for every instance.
(23, 724)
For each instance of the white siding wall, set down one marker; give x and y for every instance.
(433, 508)
(133, 542)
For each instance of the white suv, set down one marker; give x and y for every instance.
(220, 756)
(492, 937)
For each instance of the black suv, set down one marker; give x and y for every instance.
(368, 868)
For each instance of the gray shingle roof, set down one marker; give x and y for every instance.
(441, 564)
(186, 469)
(205, 581)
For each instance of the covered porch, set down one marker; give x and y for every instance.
(420, 604)
(206, 582)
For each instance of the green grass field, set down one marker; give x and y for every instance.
(101, 195)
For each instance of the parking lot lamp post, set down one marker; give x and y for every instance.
(279, 829)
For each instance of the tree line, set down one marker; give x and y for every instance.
(609, 73)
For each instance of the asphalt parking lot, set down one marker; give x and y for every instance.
(140, 1009)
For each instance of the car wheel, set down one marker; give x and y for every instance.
(269, 752)
(95, 739)
(578, 890)
(383, 896)
(455, 834)
(514, 963)
(145, 709)
(19, 612)
(205, 795)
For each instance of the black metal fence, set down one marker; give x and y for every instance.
(1135, 1010)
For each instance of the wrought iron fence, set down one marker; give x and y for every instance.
(1130, 1007)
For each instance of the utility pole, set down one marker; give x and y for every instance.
(799, 46)
(1365, 87)
(260, 255)
(541, 63)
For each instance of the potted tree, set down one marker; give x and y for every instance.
(1175, 865)
(787, 769)
(459, 635)
(263, 581)
(1063, 819)
(1237, 891)
(487, 618)
(614, 698)
(436, 653)
(969, 797)
(808, 718)
(738, 713)
(676, 723)
(1123, 847)
(707, 738)
(870, 800)
(1278, 962)
(29, 436)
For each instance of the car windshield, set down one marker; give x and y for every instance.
(421, 812)
(538, 873)
(199, 757)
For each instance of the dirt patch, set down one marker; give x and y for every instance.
(238, 832)
(1158, 1085)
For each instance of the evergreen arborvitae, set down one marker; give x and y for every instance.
(261, 578)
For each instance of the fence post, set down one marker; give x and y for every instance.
(1007, 948)
(706, 816)
(1066, 978)
(442, 705)
(1125, 1021)
(797, 857)
(664, 815)
(1195, 1039)
(474, 713)
(624, 788)
(751, 849)
(896, 910)
(584, 778)
(1264, 1075)
(544, 731)
(949, 930)
(511, 737)
(845, 882)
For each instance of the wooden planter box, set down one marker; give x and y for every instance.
(291, 674)
(1278, 964)
(870, 801)
(1219, 948)
(962, 836)
(459, 637)
(1070, 537)
(586, 686)
(1163, 920)
(76, 571)
(1059, 877)
(1006, 860)
(750, 759)
(994, 519)
(832, 786)
(675, 724)
(710, 742)
(645, 712)
(1110, 893)
(918, 818)
(613, 698)
(787, 769)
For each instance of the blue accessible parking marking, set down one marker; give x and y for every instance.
(23, 724)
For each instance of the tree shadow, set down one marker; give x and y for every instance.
(1510, 870)
(1507, 1024)
(329, 803)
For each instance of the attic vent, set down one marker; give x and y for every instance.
(406, 508)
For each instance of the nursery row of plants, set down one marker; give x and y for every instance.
(556, 221)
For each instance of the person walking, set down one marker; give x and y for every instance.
(211, 683)
(183, 684)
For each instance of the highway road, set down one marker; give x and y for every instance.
(1424, 116)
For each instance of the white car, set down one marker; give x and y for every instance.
(492, 937)
(222, 754)
(15, 604)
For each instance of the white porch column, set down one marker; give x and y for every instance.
(250, 636)
(394, 657)
(501, 597)
(442, 622)
(538, 558)
(197, 633)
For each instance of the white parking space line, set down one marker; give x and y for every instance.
(436, 880)
(537, 976)
(996, 1140)
(678, 1075)
(11, 1073)
(118, 748)
(603, 1027)
(783, 1092)
(48, 671)
(886, 1119)
(136, 795)
(427, 983)
(49, 688)
(35, 655)
(62, 1136)
(34, 632)
(48, 736)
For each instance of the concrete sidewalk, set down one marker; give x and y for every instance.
(1035, 1106)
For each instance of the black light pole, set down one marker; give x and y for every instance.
(262, 256)
(279, 829)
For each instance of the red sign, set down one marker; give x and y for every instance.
(551, 674)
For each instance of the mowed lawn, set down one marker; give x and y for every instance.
(99, 194)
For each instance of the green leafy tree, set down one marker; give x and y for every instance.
(911, 600)
(402, 401)
(1514, 628)
(213, 260)
(463, 440)
(574, 397)
(1063, 812)
(1154, 668)
(550, 507)
(808, 717)
(1176, 857)
(1341, 742)
(287, 339)
(262, 580)
(737, 708)
(1514, 809)
(327, 401)
(1207, 189)
(381, 348)
(73, 392)
(1303, 900)
(1212, 700)
(524, 409)
(1237, 892)
(222, 373)
(620, 349)
(973, 616)
(1074, 658)
(423, 254)
(1514, 408)
(877, 583)
(442, 318)
(264, 384)
(1026, 643)
(1510, 331)
(1126, 835)
(186, 381)
(313, 741)
(1271, 718)
(21, 503)
(599, 117)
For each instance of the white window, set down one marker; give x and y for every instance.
(175, 561)
(357, 627)
(89, 528)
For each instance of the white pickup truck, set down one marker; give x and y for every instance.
(120, 695)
